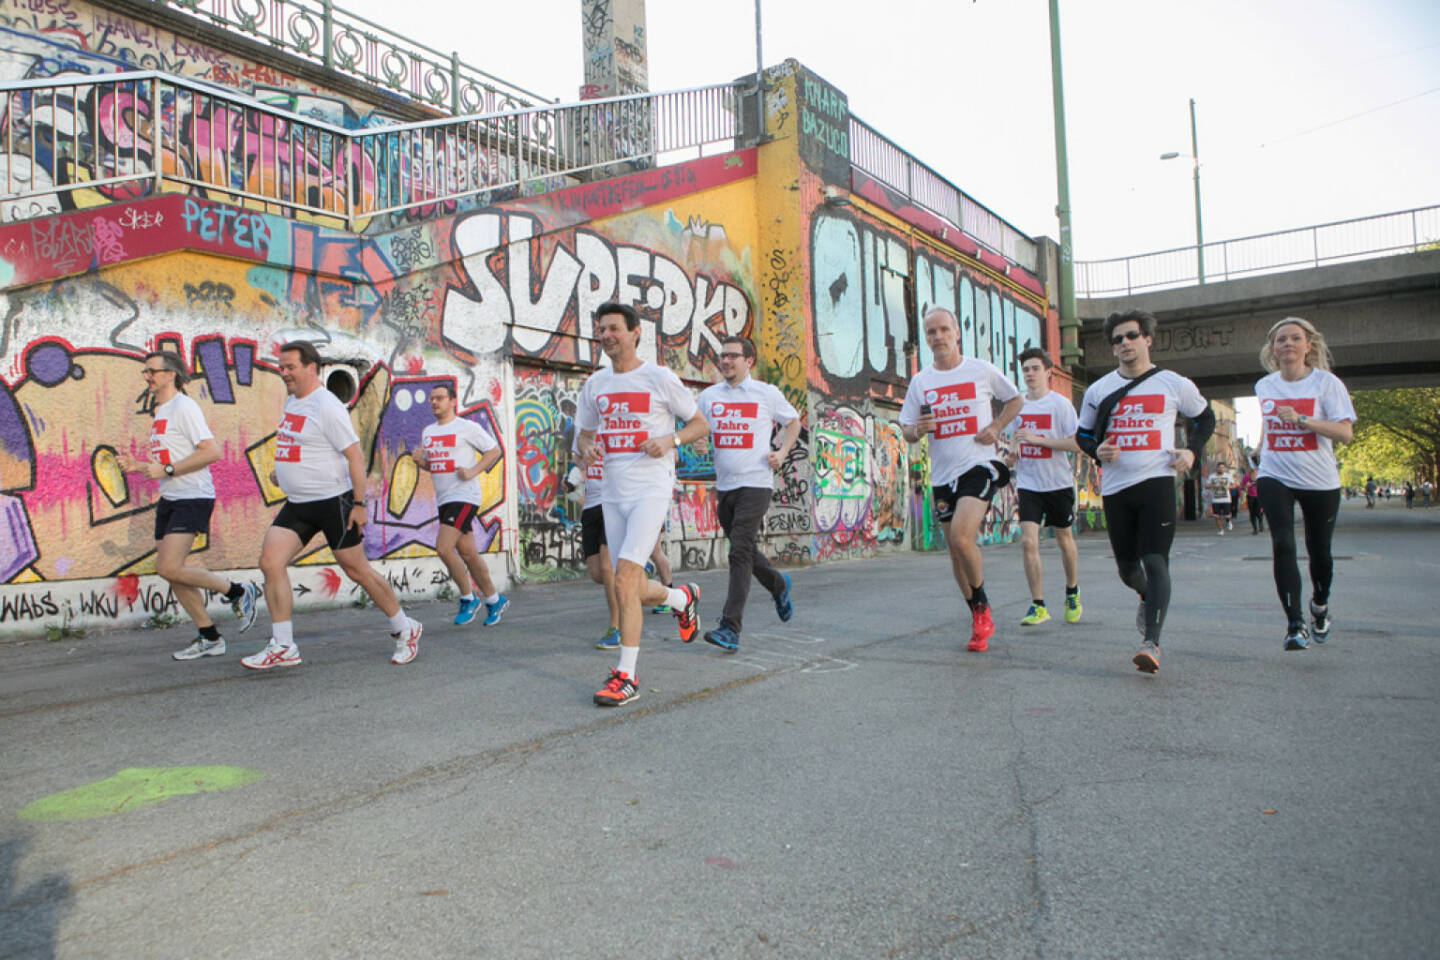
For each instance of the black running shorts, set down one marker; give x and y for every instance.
(592, 531)
(183, 516)
(330, 516)
(459, 515)
(1050, 508)
(977, 482)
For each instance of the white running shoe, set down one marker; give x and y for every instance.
(247, 606)
(407, 644)
(272, 655)
(200, 647)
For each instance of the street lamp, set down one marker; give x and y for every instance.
(1195, 156)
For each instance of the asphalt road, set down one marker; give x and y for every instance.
(852, 784)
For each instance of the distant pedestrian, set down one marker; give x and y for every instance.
(1252, 501)
(1222, 504)
(1305, 409)
(1409, 495)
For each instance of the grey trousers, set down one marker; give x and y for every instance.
(742, 511)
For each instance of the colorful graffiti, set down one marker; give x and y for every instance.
(546, 493)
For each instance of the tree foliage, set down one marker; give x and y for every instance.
(1397, 436)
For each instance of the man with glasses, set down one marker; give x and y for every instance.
(1127, 424)
(180, 452)
(950, 402)
(320, 467)
(742, 413)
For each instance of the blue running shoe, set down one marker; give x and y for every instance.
(1297, 637)
(494, 610)
(247, 606)
(649, 569)
(468, 609)
(783, 607)
(610, 641)
(723, 637)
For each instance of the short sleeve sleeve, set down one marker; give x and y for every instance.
(1190, 401)
(479, 437)
(677, 396)
(587, 417)
(783, 412)
(336, 425)
(1065, 424)
(1000, 386)
(1089, 407)
(910, 408)
(1336, 402)
(196, 429)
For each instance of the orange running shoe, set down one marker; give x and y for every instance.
(982, 627)
(688, 617)
(1148, 659)
(620, 688)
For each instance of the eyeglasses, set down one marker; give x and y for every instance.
(151, 371)
(1120, 338)
(732, 356)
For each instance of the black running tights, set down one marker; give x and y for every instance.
(1141, 522)
(1318, 508)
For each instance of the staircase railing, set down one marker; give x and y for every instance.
(76, 141)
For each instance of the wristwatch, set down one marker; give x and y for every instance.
(1301, 419)
(169, 469)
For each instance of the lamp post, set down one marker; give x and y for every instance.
(1070, 352)
(1199, 229)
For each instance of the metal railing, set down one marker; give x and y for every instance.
(339, 40)
(1363, 238)
(101, 134)
(878, 156)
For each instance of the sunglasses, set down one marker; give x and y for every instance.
(151, 371)
(1120, 338)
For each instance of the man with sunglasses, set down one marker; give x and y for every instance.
(950, 401)
(742, 412)
(180, 452)
(1127, 424)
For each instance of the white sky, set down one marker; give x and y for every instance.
(965, 87)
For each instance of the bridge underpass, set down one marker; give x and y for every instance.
(1381, 317)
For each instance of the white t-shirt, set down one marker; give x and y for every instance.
(1142, 424)
(625, 410)
(313, 431)
(178, 429)
(1220, 484)
(741, 419)
(959, 398)
(456, 445)
(1040, 468)
(1297, 456)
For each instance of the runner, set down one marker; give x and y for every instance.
(592, 543)
(627, 415)
(742, 412)
(455, 452)
(1305, 410)
(1127, 424)
(951, 400)
(1252, 501)
(181, 451)
(319, 466)
(1221, 502)
(1045, 480)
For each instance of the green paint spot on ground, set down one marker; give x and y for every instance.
(133, 788)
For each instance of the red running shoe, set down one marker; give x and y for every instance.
(620, 688)
(688, 617)
(982, 626)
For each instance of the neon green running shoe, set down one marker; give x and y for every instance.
(1072, 607)
(1037, 614)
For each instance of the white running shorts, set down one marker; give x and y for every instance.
(631, 529)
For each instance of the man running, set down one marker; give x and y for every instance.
(1222, 504)
(627, 415)
(319, 466)
(742, 412)
(592, 543)
(1127, 423)
(180, 452)
(456, 451)
(950, 399)
(1046, 484)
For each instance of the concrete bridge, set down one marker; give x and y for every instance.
(1381, 317)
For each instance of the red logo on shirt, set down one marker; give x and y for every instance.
(734, 441)
(621, 403)
(1132, 423)
(293, 422)
(1280, 435)
(287, 447)
(158, 453)
(1136, 439)
(624, 442)
(1037, 422)
(953, 408)
(720, 409)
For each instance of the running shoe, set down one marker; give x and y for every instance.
(246, 606)
(620, 688)
(200, 647)
(723, 637)
(649, 569)
(407, 643)
(1148, 659)
(1320, 626)
(273, 655)
(661, 608)
(611, 640)
(1297, 637)
(688, 619)
(467, 611)
(1036, 615)
(982, 627)
(783, 608)
(1072, 607)
(494, 610)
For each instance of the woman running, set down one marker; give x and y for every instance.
(1305, 409)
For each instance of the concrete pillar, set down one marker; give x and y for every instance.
(613, 37)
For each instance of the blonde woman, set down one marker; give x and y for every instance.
(1305, 410)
